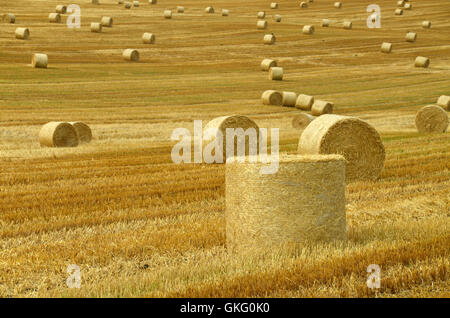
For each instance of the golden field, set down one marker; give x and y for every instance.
(139, 225)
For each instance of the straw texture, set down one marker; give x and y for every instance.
(431, 118)
(107, 22)
(96, 27)
(269, 39)
(351, 137)
(386, 47)
(301, 121)
(148, 38)
(84, 132)
(272, 97)
(58, 134)
(39, 60)
(308, 29)
(444, 101)
(62, 9)
(321, 107)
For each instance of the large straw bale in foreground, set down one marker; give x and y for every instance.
(303, 202)
(351, 137)
(444, 101)
(58, 134)
(84, 132)
(431, 118)
(272, 97)
(301, 121)
(422, 61)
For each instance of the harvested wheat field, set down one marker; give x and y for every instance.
(139, 225)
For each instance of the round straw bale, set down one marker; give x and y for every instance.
(135, 3)
(131, 55)
(22, 34)
(269, 39)
(422, 61)
(308, 29)
(272, 97)
(39, 60)
(431, 118)
(62, 9)
(266, 64)
(277, 18)
(261, 25)
(276, 73)
(398, 11)
(351, 137)
(96, 27)
(303, 202)
(407, 6)
(321, 107)
(444, 101)
(180, 9)
(152, 1)
(348, 25)
(386, 47)
(325, 22)
(289, 99)
(426, 24)
(220, 124)
(148, 38)
(338, 5)
(400, 3)
(54, 18)
(9, 18)
(58, 134)
(107, 22)
(128, 5)
(261, 15)
(84, 132)
(301, 121)
(209, 10)
(167, 14)
(303, 4)
(225, 12)
(304, 102)
(411, 37)
(274, 5)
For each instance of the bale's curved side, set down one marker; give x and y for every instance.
(131, 55)
(148, 38)
(22, 34)
(431, 118)
(276, 73)
(58, 134)
(269, 39)
(9, 18)
(84, 132)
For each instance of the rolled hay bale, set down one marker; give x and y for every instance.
(348, 25)
(338, 5)
(269, 39)
(225, 12)
(128, 5)
(22, 34)
(54, 18)
(209, 10)
(95, 2)
(426, 24)
(61, 9)
(274, 5)
(304, 102)
(152, 1)
(58, 134)
(444, 101)
(277, 18)
(9, 18)
(301, 121)
(261, 15)
(325, 22)
(308, 29)
(411, 37)
(266, 64)
(407, 6)
(96, 27)
(261, 25)
(148, 38)
(83, 131)
(400, 3)
(136, 3)
(219, 126)
(351, 137)
(398, 11)
(431, 118)
(422, 61)
(386, 47)
(39, 60)
(131, 55)
(303, 202)
(180, 9)
(276, 73)
(272, 97)
(107, 22)
(321, 107)
(167, 14)
(303, 4)
(289, 99)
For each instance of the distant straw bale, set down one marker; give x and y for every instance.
(148, 38)
(304, 102)
(321, 107)
(272, 97)
(9, 18)
(58, 134)
(386, 47)
(22, 34)
(107, 22)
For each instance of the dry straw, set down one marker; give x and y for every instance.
(321, 107)
(444, 101)
(54, 18)
(261, 25)
(22, 34)
(386, 47)
(276, 73)
(304, 102)
(398, 11)
(128, 5)
(219, 126)
(148, 38)
(269, 39)
(348, 25)
(58, 134)
(272, 97)
(9, 18)
(209, 10)
(84, 132)
(277, 18)
(180, 9)
(62, 9)
(167, 14)
(96, 27)
(422, 61)
(107, 22)
(351, 137)
(274, 5)
(131, 55)
(301, 121)
(225, 12)
(303, 202)
(303, 4)
(325, 22)
(261, 15)
(266, 64)
(411, 37)
(431, 118)
(308, 29)
(135, 3)
(39, 60)
(289, 99)
(337, 5)
(426, 24)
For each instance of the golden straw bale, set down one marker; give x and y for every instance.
(272, 97)
(411, 37)
(304, 102)
(301, 121)
(269, 39)
(289, 99)
(261, 25)
(422, 61)
(39, 60)
(225, 12)
(84, 132)
(274, 5)
(303, 4)
(277, 18)
(180, 9)
(325, 22)
(347, 25)
(261, 15)
(22, 34)
(431, 118)
(426, 24)
(276, 73)
(148, 38)
(398, 11)
(321, 107)
(308, 29)
(209, 10)
(266, 64)
(9, 18)
(338, 5)
(58, 134)
(96, 27)
(167, 14)
(136, 3)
